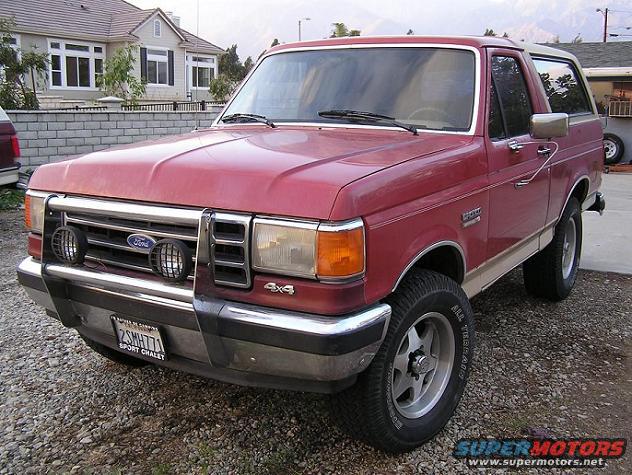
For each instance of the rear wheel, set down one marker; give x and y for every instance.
(551, 273)
(113, 355)
(613, 149)
(415, 382)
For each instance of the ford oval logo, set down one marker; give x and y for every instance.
(140, 241)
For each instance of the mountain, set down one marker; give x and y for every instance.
(252, 25)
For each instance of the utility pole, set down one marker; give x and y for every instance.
(299, 26)
(604, 12)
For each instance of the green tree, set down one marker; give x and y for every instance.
(118, 76)
(16, 69)
(556, 39)
(578, 39)
(489, 32)
(222, 87)
(410, 32)
(230, 65)
(231, 73)
(339, 30)
(248, 64)
(505, 35)
(275, 42)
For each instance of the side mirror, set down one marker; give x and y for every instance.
(547, 126)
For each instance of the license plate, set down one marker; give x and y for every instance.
(139, 338)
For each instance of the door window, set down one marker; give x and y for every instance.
(510, 90)
(496, 125)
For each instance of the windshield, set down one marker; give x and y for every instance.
(429, 88)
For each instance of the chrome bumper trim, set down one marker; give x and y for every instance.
(303, 322)
(172, 297)
(121, 210)
(117, 282)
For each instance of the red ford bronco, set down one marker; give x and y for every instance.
(326, 233)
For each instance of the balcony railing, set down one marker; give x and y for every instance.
(187, 106)
(620, 109)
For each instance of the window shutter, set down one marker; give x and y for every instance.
(143, 64)
(171, 69)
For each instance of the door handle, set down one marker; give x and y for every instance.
(515, 146)
(544, 151)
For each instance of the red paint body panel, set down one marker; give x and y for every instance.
(411, 191)
(8, 143)
(291, 171)
(477, 42)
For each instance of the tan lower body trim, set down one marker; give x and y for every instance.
(486, 274)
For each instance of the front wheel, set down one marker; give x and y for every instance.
(414, 384)
(551, 273)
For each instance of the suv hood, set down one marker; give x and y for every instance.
(285, 171)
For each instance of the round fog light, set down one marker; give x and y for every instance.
(69, 245)
(171, 259)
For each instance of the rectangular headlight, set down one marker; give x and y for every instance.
(285, 247)
(34, 211)
(328, 251)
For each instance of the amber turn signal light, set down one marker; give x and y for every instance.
(341, 253)
(27, 212)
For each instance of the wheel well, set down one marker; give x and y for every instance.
(446, 260)
(581, 190)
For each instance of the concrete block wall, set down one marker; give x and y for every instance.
(48, 136)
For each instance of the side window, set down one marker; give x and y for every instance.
(496, 127)
(562, 86)
(512, 94)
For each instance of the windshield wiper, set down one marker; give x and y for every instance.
(367, 116)
(241, 116)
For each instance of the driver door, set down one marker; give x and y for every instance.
(517, 212)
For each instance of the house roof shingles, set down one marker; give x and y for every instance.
(97, 20)
(616, 54)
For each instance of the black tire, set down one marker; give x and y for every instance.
(113, 355)
(544, 273)
(367, 410)
(613, 149)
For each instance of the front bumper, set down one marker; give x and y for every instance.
(229, 341)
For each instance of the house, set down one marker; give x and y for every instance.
(608, 67)
(79, 35)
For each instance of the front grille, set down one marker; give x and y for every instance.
(230, 241)
(107, 238)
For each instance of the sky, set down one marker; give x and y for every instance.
(253, 24)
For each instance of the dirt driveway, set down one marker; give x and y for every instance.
(563, 369)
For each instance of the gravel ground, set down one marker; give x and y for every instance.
(560, 369)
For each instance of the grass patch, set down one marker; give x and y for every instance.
(162, 469)
(11, 198)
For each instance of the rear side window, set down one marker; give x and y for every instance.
(563, 87)
(512, 94)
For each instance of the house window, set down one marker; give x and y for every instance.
(201, 70)
(157, 67)
(75, 64)
(157, 28)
